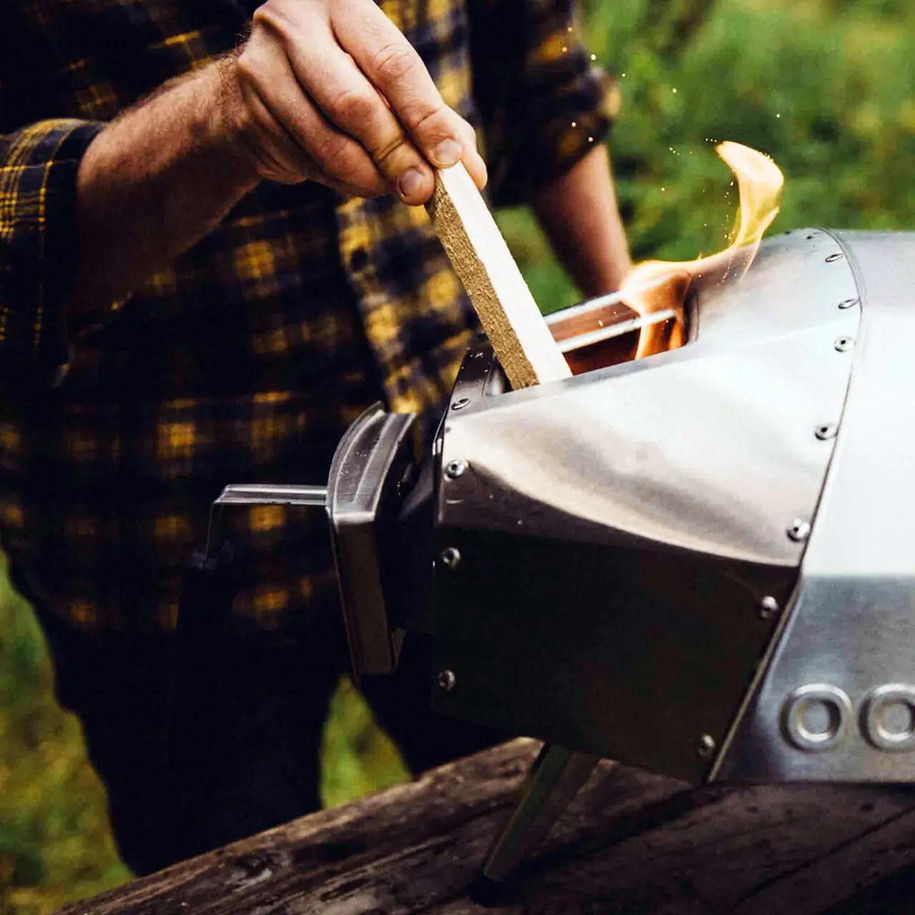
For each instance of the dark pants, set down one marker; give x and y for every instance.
(219, 739)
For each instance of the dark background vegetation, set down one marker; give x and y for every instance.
(826, 87)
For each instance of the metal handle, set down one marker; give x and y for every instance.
(260, 494)
(271, 494)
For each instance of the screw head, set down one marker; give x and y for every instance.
(799, 530)
(451, 557)
(446, 680)
(848, 303)
(825, 431)
(460, 403)
(834, 257)
(455, 469)
(768, 606)
(705, 746)
(843, 344)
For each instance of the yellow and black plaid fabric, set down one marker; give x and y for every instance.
(248, 357)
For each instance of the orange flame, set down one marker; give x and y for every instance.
(655, 285)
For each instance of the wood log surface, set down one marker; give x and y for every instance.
(507, 311)
(631, 842)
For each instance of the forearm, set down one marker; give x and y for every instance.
(328, 91)
(579, 214)
(154, 182)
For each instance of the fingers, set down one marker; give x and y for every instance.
(393, 66)
(352, 103)
(299, 138)
(334, 90)
(471, 157)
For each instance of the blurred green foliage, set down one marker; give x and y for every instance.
(55, 842)
(357, 756)
(826, 87)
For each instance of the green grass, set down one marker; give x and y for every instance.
(824, 86)
(55, 842)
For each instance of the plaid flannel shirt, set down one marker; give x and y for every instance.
(245, 360)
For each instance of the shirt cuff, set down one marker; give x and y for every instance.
(38, 243)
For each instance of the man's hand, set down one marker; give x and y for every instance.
(327, 90)
(330, 90)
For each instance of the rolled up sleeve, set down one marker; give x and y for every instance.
(543, 103)
(38, 243)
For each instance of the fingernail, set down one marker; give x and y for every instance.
(447, 152)
(410, 182)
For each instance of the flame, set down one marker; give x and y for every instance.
(654, 285)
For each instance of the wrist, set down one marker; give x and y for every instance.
(226, 120)
(155, 181)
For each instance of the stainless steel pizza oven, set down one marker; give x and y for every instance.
(701, 562)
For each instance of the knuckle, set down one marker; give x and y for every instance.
(246, 67)
(395, 61)
(429, 120)
(330, 149)
(267, 17)
(352, 106)
(382, 152)
(272, 15)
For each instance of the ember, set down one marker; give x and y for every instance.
(654, 286)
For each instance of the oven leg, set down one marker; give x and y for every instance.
(554, 779)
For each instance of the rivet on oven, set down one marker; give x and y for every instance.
(446, 680)
(455, 469)
(799, 530)
(843, 344)
(705, 746)
(834, 257)
(451, 557)
(460, 403)
(848, 303)
(768, 607)
(825, 431)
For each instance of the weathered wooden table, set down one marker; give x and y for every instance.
(631, 842)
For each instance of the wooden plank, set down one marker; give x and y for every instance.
(631, 842)
(736, 850)
(880, 859)
(484, 265)
(403, 850)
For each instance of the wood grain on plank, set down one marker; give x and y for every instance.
(507, 311)
(630, 842)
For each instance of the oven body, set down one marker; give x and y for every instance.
(700, 562)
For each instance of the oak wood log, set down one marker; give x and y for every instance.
(480, 257)
(631, 842)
